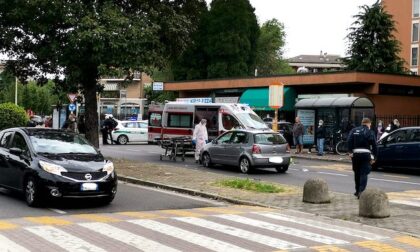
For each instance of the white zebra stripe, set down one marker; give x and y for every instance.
(282, 229)
(324, 226)
(63, 239)
(241, 233)
(406, 202)
(126, 237)
(7, 245)
(201, 240)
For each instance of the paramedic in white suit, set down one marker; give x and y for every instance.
(200, 138)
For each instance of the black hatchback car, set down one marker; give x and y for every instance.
(46, 163)
(401, 148)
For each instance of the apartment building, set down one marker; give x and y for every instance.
(406, 14)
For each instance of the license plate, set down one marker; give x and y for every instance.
(276, 160)
(89, 187)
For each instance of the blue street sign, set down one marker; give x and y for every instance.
(72, 107)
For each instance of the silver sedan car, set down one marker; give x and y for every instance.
(247, 149)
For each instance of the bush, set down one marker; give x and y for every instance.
(11, 116)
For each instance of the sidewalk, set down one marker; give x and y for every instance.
(326, 157)
(196, 181)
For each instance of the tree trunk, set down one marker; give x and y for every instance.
(91, 113)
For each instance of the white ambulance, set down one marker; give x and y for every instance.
(179, 119)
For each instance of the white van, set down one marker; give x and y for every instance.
(179, 119)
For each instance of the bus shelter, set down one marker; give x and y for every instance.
(339, 114)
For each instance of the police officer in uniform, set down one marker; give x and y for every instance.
(362, 146)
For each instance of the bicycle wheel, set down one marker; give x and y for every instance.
(341, 148)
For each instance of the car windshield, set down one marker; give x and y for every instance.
(251, 120)
(61, 143)
(269, 138)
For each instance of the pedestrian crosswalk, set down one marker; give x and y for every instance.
(409, 198)
(230, 228)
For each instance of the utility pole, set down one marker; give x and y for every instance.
(16, 89)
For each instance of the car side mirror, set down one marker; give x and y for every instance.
(16, 151)
(214, 141)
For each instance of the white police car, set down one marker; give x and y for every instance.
(130, 131)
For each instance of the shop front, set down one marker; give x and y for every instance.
(339, 114)
(257, 99)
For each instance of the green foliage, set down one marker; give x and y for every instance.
(83, 40)
(270, 43)
(159, 97)
(373, 47)
(224, 44)
(12, 116)
(250, 185)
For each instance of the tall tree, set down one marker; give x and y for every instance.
(83, 40)
(372, 45)
(269, 59)
(232, 32)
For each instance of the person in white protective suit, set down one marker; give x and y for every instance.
(200, 138)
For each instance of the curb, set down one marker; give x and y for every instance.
(191, 192)
(320, 159)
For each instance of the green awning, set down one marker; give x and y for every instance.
(257, 98)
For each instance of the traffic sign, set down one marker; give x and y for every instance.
(72, 97)
(157, 86)
(72, 107)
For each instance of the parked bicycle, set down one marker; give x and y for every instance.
(336, 143)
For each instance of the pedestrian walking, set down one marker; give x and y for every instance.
(362, 147)
(320, 137)
(106, 129)
(380, 129)
(200, 138)
(298, 135)
(71, 124)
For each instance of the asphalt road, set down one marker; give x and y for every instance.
(338, 175)
(129, 198)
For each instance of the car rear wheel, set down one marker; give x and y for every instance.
(122, 139)
(207, 160)
(32, 193)
(245, 165)
(282, 169)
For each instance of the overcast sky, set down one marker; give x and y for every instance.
(311, 25)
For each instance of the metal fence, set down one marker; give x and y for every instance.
(405, 120)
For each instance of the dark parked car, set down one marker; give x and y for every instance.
(401, 148)
(248, 149)
(45, 163)
(286, 130)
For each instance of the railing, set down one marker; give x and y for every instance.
(405, 120)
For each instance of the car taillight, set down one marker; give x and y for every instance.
(256, 149)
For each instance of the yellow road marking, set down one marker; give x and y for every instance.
(221, 210)
(96, 218)
(329, 248)
(396, 176)
(6, 225)
(45, 220)
(182, 213)
(409, 240)
(141, 215)
(378, 246)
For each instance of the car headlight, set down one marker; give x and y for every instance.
(108, 168)
(52, 168)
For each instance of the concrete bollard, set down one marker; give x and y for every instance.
(316, 191)
(373, 203)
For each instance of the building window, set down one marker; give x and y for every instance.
(415, 33)
(414, 56)
(416, 8)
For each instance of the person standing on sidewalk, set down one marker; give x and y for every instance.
(200, 138)
(362, 146)
(298, 135)
(320, 137)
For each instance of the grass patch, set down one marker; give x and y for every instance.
(250, 185)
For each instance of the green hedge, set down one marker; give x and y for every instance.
(11, 116)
